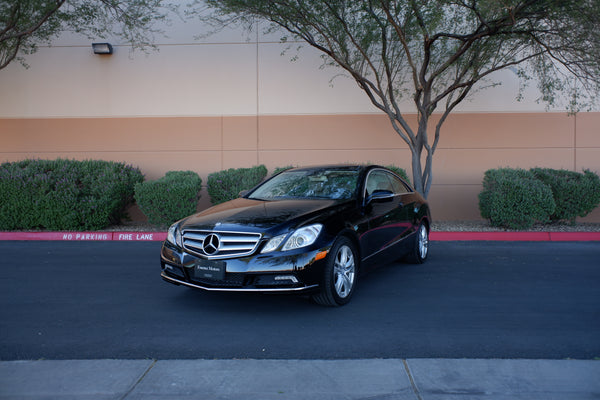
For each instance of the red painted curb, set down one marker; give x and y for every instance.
(516, 236)
(434, 236)
(495, 236)
(139, 236)
(85, 236)
(574, 236)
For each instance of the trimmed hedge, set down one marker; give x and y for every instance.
(65, 194)
(575, 194)
(170, 198)
(279, 170)
(226, 185)
(401, 172)
(515, 199)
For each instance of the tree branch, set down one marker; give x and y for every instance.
(28, 31)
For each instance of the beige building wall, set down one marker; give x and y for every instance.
(471, 144)
(234, 101)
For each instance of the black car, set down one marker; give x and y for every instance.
(303, 230)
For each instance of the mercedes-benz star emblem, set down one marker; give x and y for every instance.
(210, 245)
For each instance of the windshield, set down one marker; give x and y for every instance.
(309, 184)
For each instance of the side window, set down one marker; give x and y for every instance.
(399, 186)
(378, 180)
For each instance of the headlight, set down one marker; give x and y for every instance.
(300, 238)
(174, 235)
(273, 243)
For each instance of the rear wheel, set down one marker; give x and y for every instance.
(420, 248)
(339, 275)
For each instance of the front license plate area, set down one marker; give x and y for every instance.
(209, 269)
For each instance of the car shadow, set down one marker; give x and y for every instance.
(241, 302)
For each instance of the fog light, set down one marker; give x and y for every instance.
(286, 278)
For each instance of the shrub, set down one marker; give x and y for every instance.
(575, 194)
(401, 172)
(170, 198)
(65, 194)
(226, 185)
(515, 199)
(281, 169)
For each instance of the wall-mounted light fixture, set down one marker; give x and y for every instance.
(102, 48)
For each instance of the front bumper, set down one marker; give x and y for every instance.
(294, 271)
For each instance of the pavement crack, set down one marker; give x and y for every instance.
(140, 379)
(412, 381)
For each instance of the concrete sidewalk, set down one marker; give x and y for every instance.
(415, 379)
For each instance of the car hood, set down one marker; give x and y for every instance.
(259, 216)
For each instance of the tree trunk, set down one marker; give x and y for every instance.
(417, 171)
(421, 178)
(421, 174)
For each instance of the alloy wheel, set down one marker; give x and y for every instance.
(423, 242)
(344, 271)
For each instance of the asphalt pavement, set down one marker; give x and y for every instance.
(105, 300)
(312, 377)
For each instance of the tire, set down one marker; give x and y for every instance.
(339, 275)
(420, 248)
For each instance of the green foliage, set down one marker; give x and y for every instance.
(575, 194)
(436, 53)
(401, 172)
(26, 23)
(169, 198)
(65, 194)
(281, 169)
(515, 199)
(226, 185)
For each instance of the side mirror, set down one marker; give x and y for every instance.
(243, 193)
(380, 196)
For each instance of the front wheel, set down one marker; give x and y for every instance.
(420, 247)
(339, 275)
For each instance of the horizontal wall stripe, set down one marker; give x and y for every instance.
(470, 144)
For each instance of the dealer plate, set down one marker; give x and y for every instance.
(210, 269)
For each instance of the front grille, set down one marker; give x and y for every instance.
(220, 244)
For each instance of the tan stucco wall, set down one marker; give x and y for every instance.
(470, 144)
(230, 99)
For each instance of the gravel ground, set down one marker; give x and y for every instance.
(484, 226)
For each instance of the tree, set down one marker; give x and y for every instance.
(26, 23)
(438, 52)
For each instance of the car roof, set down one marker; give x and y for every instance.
(349, 167)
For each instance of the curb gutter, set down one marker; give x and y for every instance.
(434, 236)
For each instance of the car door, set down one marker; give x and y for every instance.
(388, 219)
